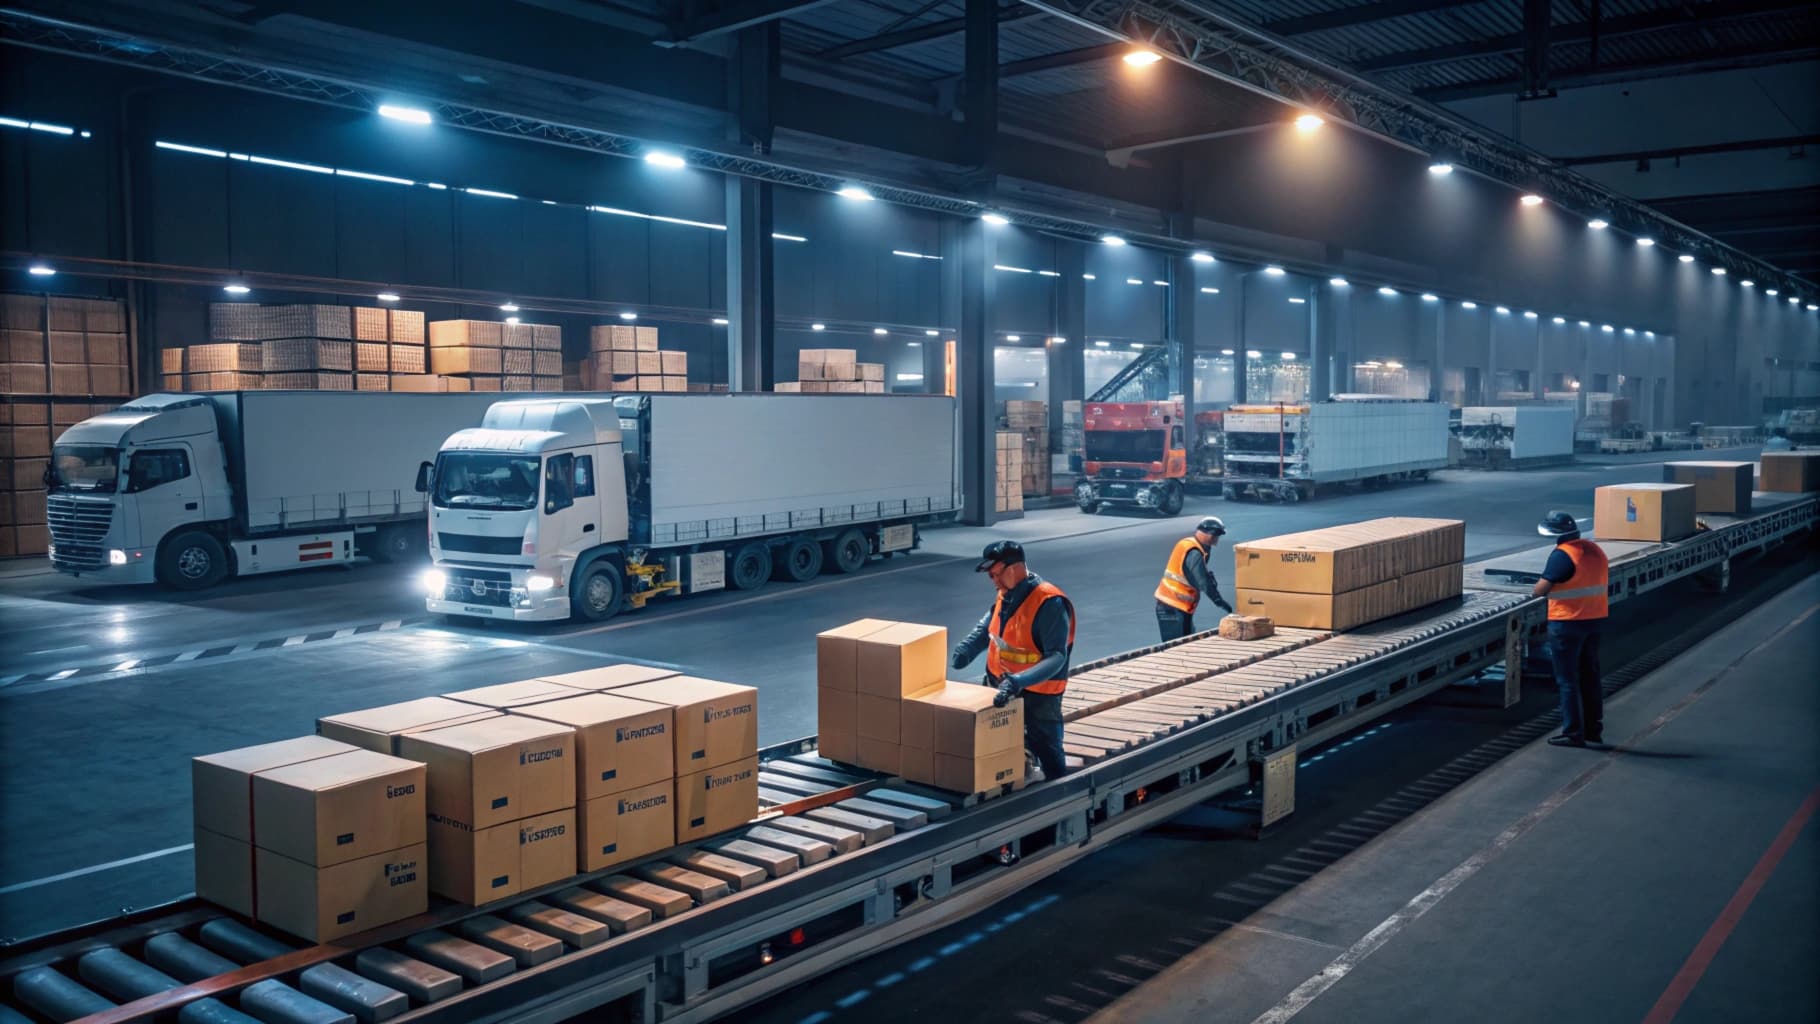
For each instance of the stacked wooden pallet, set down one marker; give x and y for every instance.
(628, 358)
(59, 346)
(306, 348)
(492, 356)
(834, 371)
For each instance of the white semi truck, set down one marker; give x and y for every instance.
(191, 489)
(1284, 452)
(578, 506)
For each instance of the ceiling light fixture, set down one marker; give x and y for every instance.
(1308, 124)
(1142, 58)
(235, 289)
(667, 160)
(1112, 240)
(1203, 257)
(508, 307)
(1645, 242)
(388, 296)
(1440, 169)
(627, 316)
(409, 115)
(41, 270)
(1530, 199)
(1685, 257)
(1598, 223)
(997, 220)
(855, 193)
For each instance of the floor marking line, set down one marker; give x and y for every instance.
(79, 872)
(1241, 926)
(1701, 958)
(1308, 991)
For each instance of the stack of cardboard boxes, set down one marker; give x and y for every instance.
(390, 353)
(1346, 576)
(27, 427)
(1644, 512)
(69, 347)
(1010, 496)
(316, 837)
(835, 371)
(883, 702)
(492, 356)
(628, 358)
(1031, 421)
(1791, 472)
(304, 348)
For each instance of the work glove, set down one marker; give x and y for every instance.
(958, 660)
(1008, 688)
(1220, 603)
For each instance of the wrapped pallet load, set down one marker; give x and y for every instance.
(1343, 577)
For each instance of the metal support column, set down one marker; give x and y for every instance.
(1536, 384)
(751, 312)
(1178, 331)
(1536, 15)
(1241, 363)
(1068, 361)
(1323, 325)
(974, 376)
(1439, 372)
(979, 90)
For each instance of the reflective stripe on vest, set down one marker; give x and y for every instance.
(1014, 643)
(1582, 595)
(1175, 590)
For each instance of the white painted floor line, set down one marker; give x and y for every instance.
(109, 866)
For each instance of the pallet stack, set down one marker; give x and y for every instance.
(490, 356)
(1031, 421)
(1342, 577)
(57, 346)
(27, 428)
(1010, 472)
(835, 371)
(628, 358)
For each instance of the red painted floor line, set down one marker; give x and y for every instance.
(1702, 957)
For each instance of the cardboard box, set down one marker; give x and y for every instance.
(675, 385)
(68, 379)
(24, 379)
(407, 358)
(224, 872)
(787, 387)
(466, 334)
(675, 364)
(1354, 607)
(293, 355)
(31, 540)
(1645, 512)
(221, 785)
(626, 825)
(716, 723)
(547, 337)
(871, 372)
(68, 347)
(620, 744)
(495, 770)
(517, 336)
(1718, 486)
(27, 474)
(1246, 627)
(339, 808)
(837, 724)
(378, 729)
(407, 326)
(1791, 472)
(371, 324)
(959, 719)
(902, 659)
(716, 799)
(837, 653)
(1341, 558)
(609, 677)
(646, 339)
(21, 346)
(978, 774)
(419, 383)
(881, 755)
(321, 904)
(514, 695)
(650, 364)
(372, 356)
(918, 765)
(479, 866)
(372, 382)
(466, 360)
(879, 718)
(846, 387)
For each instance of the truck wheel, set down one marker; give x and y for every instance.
(751, 566)
(847, 552)
(598, 594)
(1171, 505)
(1292, 495)
(1083, 498)
(192, 560)
(801, 562)
(399, 542)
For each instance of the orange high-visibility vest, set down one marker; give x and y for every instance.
(1175, 590)
(1582, 595)
(1014, 643)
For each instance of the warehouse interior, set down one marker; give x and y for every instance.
(1018, 209)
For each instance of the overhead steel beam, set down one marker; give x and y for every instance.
(918, 34)
(1739, 146)
(1065, 59)
(1345, 17)
(731, 16)
(1630, 71)
(1242, 55)
(979, 88)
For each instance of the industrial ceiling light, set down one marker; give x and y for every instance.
(665, 159)
(880, 330)
(1529, 314)
(1275, 271)
(1430, 297)
(1645, 242)
(409, 115)
(1530, 199)
(997, 220)
(508, 307)
(388, 296)
(1469, 304)
(1747, 283)
(720, 321)
(1210, 291)
(1089, 277)
(1203, 257)
(1607, 328)
(1338, 282)
(1386, 290)
(1598, 223)
(818, 327)
(1289, 357)
(1112, 240)
(1560, 320)
(855, 193)
(41, 270)
(1440, 168)
(1503, 310)
(1225, 352)
(1794, 300)
(1058, 340)
(1013, 338)
(1134, 280)
(1772, 293)
(628, 316)
(240, 289)
(1252, 353)
(1308, 124)
(1630, 330)
(1297, 300)
(1685, 257)
(1812, 307)
(1102, 344)
(1160, 284)
(1585, 323)
(1142, 58)
(931, 333)
(1718, 271)
(913, 344)
(1137, 344)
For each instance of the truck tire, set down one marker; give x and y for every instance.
(799, 561)
(1171, 505)
(598, 592)
(751, 566)
(399, 542)
(1083, 499)
(192, 560)
(847, 552)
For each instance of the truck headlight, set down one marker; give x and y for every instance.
(435, 582)
(116, 557)
(537, 583)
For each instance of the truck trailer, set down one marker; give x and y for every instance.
(579, 505)
(191, 489)
(1285, 452)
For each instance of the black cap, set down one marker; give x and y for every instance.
(1000, 552)
(1211, 524)
(1558, 524)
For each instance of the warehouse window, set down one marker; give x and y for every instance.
(156, 467)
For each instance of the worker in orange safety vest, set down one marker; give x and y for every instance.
(1186, 578)
(1575, 581)
(1028, 637)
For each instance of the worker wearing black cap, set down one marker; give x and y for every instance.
(1186, 578)
(1028, 636)
(1575, 581)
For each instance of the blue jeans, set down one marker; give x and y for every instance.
(1043, 732)
(1574, 649)
(1173, 623)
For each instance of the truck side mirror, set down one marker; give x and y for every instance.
(423, 478)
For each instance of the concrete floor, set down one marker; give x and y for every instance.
(259, 660)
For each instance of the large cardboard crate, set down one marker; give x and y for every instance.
(467, 334)
(227, 357)
(1643, 512)
(546, 337)
(372, 323)
(1718, 486)
(309, 381)
(517, 336)
(372, 357)
(306, 321)
(1353, 608)
(291, 355)
(1791, 472)
(407, 326)
(409, 359)
(1343, 558)
(466, 361)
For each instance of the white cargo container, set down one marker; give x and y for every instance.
(1286, 451)
(192, 489)
(582, 504)
(1496, 435)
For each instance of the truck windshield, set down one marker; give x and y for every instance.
(1249, 442)
(84, 467)
(482, 480)
(1124, 446)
